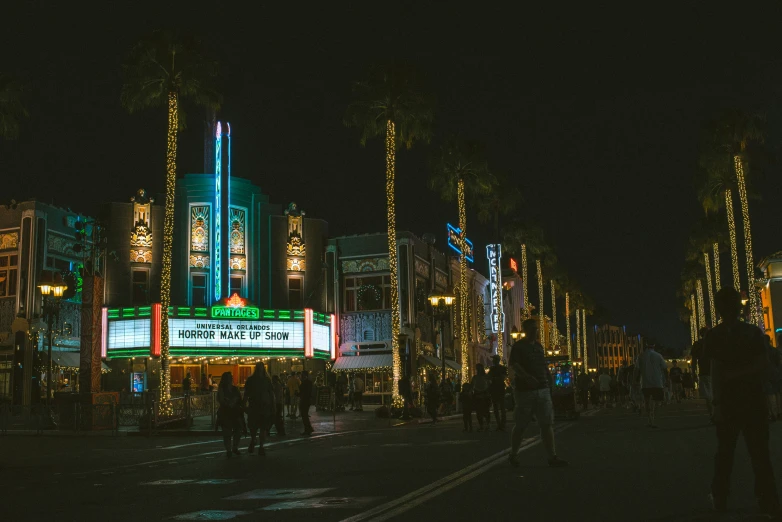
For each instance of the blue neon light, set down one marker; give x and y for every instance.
(454, 234)
(218, 211)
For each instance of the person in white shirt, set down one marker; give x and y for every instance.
(605, 386)
(651, 370)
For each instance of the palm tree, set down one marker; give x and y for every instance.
(501, 201)
(11, 108)
(529, 239)
(162, 71)
(732, 131)
(706, 237)
(460, 170)
(391, 104)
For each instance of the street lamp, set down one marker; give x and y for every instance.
(435, 298)
(515, 334)
(52, 288)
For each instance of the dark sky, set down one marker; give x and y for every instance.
(594, 115)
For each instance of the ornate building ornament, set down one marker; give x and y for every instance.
(60, 244)
(370, 264)
(199, 261)
(421, 267)
(9, 240)
(141, 233)
(237, 221)
(140, 256)
(238, 263)
(199, 228)
(296, 248)
(440, 279)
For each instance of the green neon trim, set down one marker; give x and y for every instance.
(200, 312)
(113, 313)
(170, 311)
(326, 356)
(298, 314)
(229, 312)
(182, 311)
(144, 311)
(128, 352)
(128, 312)
(285, 314)
(269, 314)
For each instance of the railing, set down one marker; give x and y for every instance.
(75, 417)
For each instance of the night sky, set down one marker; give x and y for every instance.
(595, 115)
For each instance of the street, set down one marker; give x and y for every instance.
(373, 469)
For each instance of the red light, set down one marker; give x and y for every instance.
(333, 337)
(104, 331)
(513, 265)
(157, 312)
(234, 301)
(308, 332)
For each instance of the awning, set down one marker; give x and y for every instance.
(364, 362)
(70, 361)
(438, 363)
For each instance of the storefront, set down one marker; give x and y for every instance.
(228, 337)
(374, 367)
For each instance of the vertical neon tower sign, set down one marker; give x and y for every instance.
(494, 255)
(218, 211)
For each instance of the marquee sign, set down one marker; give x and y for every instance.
(459, 244)
(225, 330)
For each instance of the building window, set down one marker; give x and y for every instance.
(140, 292)
(367, 293)
(199, 228)
(237, 285)
(237, 217)
(8, 274)
(197, 289)
(295, 293)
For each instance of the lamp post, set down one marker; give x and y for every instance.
(447, 298)
(52, 288)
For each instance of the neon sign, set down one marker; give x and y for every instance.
(513, 265)
(459, 244)
(235, 308)
(494, 255)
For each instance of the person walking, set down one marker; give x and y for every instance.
(466, 399)
(702, 365)
(739, 365)
(358, 386)
(279, 422)
(675, 375)
(532, 385)
(293, 390)
(497, 375)
(352, 392)
(688, 384)
(305, 392)
(634, 378)
(481, 396)
(432, 396)
(446, 396)
(229, 413)
(604, 382)
(406, 391)
(187, 385)
(260, 402)
(339, 390)
(583, 382)
(651, 371)
(204, 384)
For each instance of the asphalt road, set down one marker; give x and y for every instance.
(620, 470)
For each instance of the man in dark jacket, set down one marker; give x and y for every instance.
(497, 374)
(702, 365)
(305, 393)
(259, 401)
(739, 363)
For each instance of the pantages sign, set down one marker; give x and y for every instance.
(494, 255)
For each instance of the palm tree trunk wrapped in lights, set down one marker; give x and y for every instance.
(168, 246)
(567, 324)
(742, 186)
(540, 305)
(712, 311)
(464, 333)
(584, 335)
(392, 257)
(524, 285)
(694, 315)
(500, 315)
(579, 352)
(734, 256)
(554, 334)
(701, 309)
(717, 285)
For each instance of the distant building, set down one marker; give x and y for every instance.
(771, 296)
(34, 237)
(612, 346)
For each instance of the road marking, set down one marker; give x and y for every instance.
(167, 482)
(323, 503)
(211, 514)
(279, 494)
(154, 463)
(413, 499)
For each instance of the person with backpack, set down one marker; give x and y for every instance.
(259, 398)
(481, 396)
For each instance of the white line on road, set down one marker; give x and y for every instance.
(409, 501)
(174, 459)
